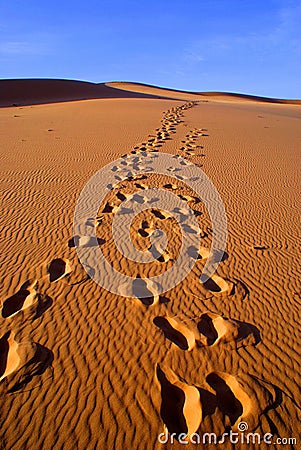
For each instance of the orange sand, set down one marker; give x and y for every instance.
(82, 368)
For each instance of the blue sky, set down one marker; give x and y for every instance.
(237, 46)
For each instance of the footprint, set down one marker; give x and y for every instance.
(260, 247)
(158, 251)
(145, 232)
(139, 177)
(9, 358)
(141, 186)
(178, 333)
(160, 215)
(189, 198)
(163, 258)
(146, 229)
(218, 286)
(121, 196)
(181, 409)
(144, 290)
(108, 208)
(226, 386)
(191, 229)
(174, 169)
(214, 329)
(242, 398)
(24, 298)
(141, 199)
(170, 186)
(198, 253)
(58, 269)
(85, 241)
(21, 362)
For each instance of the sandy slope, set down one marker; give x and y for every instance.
(84, 368)
(40, 91)
(200, 96)
(20, 92)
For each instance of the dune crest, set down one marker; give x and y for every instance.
(19, 92)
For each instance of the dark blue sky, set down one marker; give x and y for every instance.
(240, 46)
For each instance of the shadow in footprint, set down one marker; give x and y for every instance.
(73, 242)
(196, 213)
(189, 229)
(246, 329)
(143, 232)
(241, 289)
(163, 300)
(226, 400)
(41, 361)
(171, 333)
(14, 303)
(219, 255)
(216, 328)
(139, 199)
(172, 404)
(206, 327)
(158, 214)
(78, 241)
(18, 301)
(44, 303)
(108, 208)
(121, 196)
(57, 269)
(4, 348)
(210, 285)
(142, 292)
(170, 186)
(208, 401)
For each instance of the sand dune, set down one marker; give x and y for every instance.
(84, 368)
(36, 91)
(20, 92)
(184, 95)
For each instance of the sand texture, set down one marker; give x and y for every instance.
(83, 368)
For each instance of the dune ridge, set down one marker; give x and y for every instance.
(19, 92)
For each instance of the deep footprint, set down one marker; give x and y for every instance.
(58, 269)
(243, 398)
(24, 298)
(9, 358)
(227, 402)
(218, 286)
(176, 332)
(181, 408)
(141, 289)
(215, 328)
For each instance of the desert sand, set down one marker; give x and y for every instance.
(84, 368)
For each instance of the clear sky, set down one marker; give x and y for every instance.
(249, 46)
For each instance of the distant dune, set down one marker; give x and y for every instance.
(19, 92)
(184, 95)
(39, 91)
